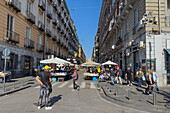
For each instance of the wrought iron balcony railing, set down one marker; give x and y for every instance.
(48, 32)
(12, 36)
(54, 37)
(40, 48)
(49, 14)
(48, 51)
(41, 26)
(30, 17)
(41, 5)
(29, 43)
(16, 4)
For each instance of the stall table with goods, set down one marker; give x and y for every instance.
(7, 76)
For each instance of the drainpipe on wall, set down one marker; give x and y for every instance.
(44, 30)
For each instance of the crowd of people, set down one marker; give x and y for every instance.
(116, 75)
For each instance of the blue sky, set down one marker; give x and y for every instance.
(85, 16)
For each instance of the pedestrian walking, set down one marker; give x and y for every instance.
(129, 76)
(155, 79)
(44, 78)
(118, 75)
(139, 77)
(149, 81)
(112, 74)
(75, 78)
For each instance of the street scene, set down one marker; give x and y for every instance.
(88, 56)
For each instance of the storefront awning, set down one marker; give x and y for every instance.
(168, 50)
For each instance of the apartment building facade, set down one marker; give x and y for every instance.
(135, 33)
(33, 30)
(82, 55)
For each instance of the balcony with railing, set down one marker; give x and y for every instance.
(61, 44)
(135, 29)
(16, 4)
(126, 37)
(41, 5)
(54, 37)
(59, 12)
(12, 36)
(49, 14)
(48, 32)
(62, 6)
(62, 31)
(119, 41)
(58, 26)
(64, 35)
(30, 17)
(167, 19)
(41, 26)
(29, 43)
(40, 48)
(48, 51)
(58, 41)
(54, 21)
(55, 6)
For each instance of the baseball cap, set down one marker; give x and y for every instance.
(47, 67)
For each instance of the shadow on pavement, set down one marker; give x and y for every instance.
(55, 99)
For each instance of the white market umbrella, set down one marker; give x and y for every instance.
(55, 60)
(91, 64)
(109, 63)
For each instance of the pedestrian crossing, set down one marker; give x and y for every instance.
(69, 84)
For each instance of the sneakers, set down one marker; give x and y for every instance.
(39, 107)
(73, 90)
(48, 108)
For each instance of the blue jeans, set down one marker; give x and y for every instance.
(156, 85)
(112, 79)
(139, 82)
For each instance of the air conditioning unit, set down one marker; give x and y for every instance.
(141, 44)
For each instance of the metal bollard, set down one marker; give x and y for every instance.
(4, 87)
(14, 85)
(154, 99)
(110, 88)
(129, 95)
(116, 91)
(22, 83)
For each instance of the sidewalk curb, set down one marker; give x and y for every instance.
(17, 90)
(121, 103)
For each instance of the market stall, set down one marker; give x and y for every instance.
(7, 76)
(60, 70)
(91, 70)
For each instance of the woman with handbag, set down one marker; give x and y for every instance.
(45, 87)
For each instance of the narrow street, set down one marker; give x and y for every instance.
(63, 100)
